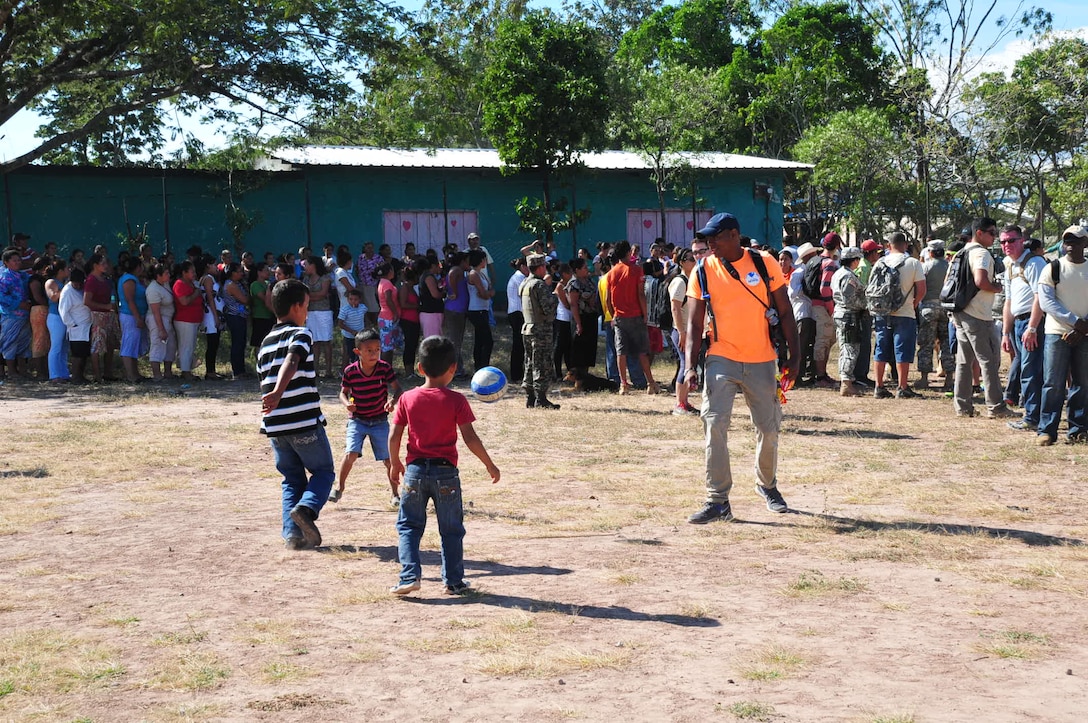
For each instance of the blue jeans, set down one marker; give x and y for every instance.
(1059, 361)
(297, 454)
(1030, 367)
(237, 327)
(426, 480)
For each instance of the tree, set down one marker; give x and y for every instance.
(814, 61)
(697, 33)
(108, 74)
(859, 169)
(426, 93)
(613, 18)
(1032, 127)
(938, 45)
(670, 111)
(546, 95)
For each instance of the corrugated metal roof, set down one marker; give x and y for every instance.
(365, 157)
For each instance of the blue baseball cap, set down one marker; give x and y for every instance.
(718, 223)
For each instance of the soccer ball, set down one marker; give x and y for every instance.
(489, 384)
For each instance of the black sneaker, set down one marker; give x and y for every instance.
(459, 589)
(712, 511)
(775, 503)
(882, 393)
(304, 517)
(907, 393)
(1021, 425)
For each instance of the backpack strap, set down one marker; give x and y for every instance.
(1056, 271)
(700, 273)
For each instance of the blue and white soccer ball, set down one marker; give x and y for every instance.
(489, 384)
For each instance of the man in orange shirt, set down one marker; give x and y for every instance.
(626, 302)
(744, 290)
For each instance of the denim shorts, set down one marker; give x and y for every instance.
(898, 332)
(376, 429)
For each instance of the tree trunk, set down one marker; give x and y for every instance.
(549, 220)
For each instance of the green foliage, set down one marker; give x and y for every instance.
(546, 92)
(814, 61)
(111, 75)
(698, 33)
(859, 168)
(544, 222)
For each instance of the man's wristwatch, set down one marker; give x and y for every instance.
(1031, 329)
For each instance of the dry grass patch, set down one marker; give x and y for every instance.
(44, 663)
(190, 670)
(1015, 644)
(551, 663)
(279, 671)
(813, 582)
(748, 710)
(772, 663)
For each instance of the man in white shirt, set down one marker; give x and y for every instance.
(897, 333)
(1022, 272)
(1065, 351)
(975, 337)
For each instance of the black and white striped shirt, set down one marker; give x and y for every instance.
(300, 407)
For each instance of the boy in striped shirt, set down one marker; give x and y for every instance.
(292, 418)
(369, 389)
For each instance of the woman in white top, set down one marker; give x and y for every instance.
(213, 308)
(77, 319)
(480, 292)
(561, 330)
(516, 318)
(678, 290)
(160, 323)
(342, 279)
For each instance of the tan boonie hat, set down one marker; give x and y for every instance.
(534, 260)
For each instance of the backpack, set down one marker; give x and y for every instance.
(959, 284)
(813, 278)
(659, 305)
(884, 293)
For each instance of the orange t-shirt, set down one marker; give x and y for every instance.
(625, 285)
(741, 319)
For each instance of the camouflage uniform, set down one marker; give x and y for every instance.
(849, 297)
(538, 306)
(933, 322)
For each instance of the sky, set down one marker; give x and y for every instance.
(17, 135)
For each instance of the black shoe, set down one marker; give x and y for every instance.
(459, 589)
(882, 393)
(1021, 425)
(304, 517)
(775, 503)
(296, 543)
(907, 393)
(530, 399)
(543, 403)
(1078, 438)
(712, 511)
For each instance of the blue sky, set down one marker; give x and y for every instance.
(17, 135)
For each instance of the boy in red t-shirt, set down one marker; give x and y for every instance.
(369, 389)
(433, 414)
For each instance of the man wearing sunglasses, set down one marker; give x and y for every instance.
(975, 337)
(1020, 330)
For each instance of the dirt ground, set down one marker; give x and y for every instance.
(932, 569)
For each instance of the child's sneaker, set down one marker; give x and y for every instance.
(334, 496)
(459, 589)
(394, 501)
(403, 588)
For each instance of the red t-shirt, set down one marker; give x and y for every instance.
(190, 313)
(432, 415)
(100, 291)
(624, 283)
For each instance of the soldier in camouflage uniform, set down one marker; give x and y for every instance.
(933, 320)
(538, 306)
(849, 297)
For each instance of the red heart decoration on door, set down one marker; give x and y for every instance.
(453, 222)
(647, 223)
(407, 225)
(690, 225)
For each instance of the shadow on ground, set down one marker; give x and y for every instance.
(846, 525)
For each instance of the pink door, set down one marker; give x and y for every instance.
(644, 226)
(427, 229)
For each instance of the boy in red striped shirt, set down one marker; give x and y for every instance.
(369, 389)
